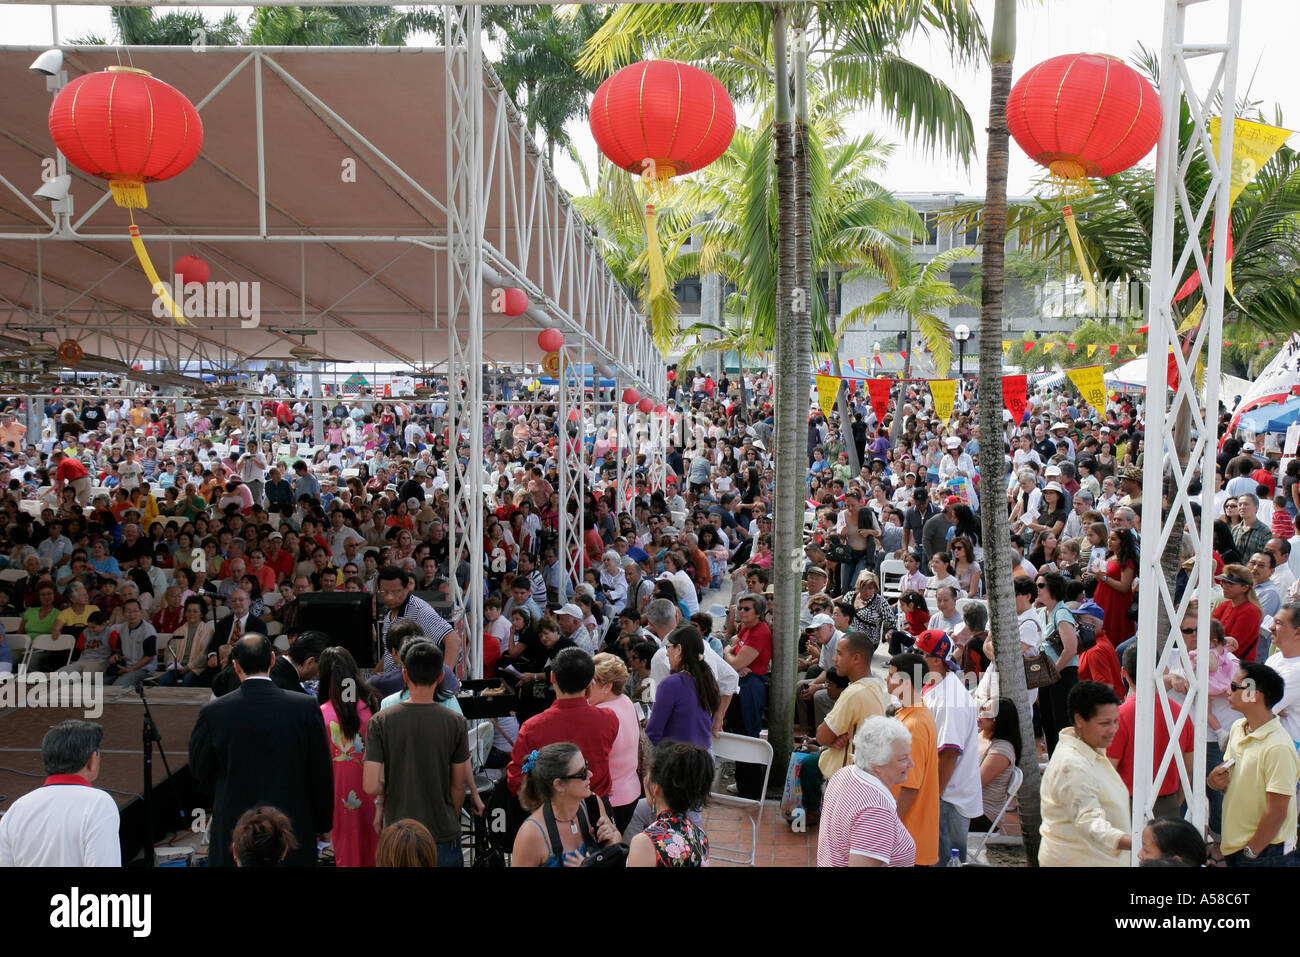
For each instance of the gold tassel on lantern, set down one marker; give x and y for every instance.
(1089, 289)
(654, 255)
(157, 285)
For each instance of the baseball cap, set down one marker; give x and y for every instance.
(572, 610)
(952, 500)
(1052, 470)
(936, 644)
(1092, 609)
(819, 620)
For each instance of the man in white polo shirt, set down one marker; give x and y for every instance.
(65, 822)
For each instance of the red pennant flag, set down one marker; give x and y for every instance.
(1071, 346)
(1194, 280)
(1015, 392)
(1113, 350)
(1171, 375)
(850, 361)
(903, 353)
(880, 362)
(879, 390)
(1029, 347)
(1143, 330)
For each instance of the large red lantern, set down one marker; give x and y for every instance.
(1083, 115)
(631, 396)
(660, 409)
(646, 405)
(658, 119)
(127, 127)
(550, 340)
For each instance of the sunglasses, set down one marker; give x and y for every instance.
(577, 776)
(1236, 687)
(1189, 631)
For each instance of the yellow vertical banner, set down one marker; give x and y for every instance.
(828, 387)
(944, 392)
(1091, 383)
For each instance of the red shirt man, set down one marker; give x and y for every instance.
(1122, 747)
(70, 469)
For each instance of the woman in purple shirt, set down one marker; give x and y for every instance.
(687, 699)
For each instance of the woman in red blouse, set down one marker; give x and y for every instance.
(751, 655)
(1240, 611)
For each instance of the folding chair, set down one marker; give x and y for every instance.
(992, 835)
(892, 573)
(474, 829)
(746, 750)
(50, 643)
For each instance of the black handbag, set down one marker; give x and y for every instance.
(611, 855)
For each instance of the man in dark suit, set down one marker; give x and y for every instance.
(263, 745)
(227, 631)
(301, 663)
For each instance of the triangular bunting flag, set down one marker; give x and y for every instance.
(1134, 349)
(1048, 347)
(1006, 345)
(850, 361)
(1029, 346)
(1071, 346)
(1113, 350)
(1092, 349)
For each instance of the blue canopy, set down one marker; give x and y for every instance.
(1270, 418)
(552, 380)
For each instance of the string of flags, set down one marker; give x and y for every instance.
(1089, 380)
(1091, 348)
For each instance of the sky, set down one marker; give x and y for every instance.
(1046, 28)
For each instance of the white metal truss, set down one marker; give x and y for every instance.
(465, 339)
(573, 469)
(656, 460)
(1163, 412)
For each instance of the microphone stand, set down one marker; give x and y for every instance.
(149, 735)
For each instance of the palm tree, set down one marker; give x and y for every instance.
(339, 26)
(141, 26)
(918, 291)
(536, 69)
(910, 97)
(992, 464)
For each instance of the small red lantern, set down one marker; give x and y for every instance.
(646, 405)
(631, 396)
(515, 303)
(70, 352)
(660, 409)
(1084, 115)
(550, 340)
(191, 269)
(127, 127)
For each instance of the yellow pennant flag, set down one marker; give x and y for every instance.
(1134, 349)
(1193, 318)
(1048, 346)
(1253, 145)
(1091, 350)
(1006, 345)
(944, 392)
(828, 387)
(1091, 383)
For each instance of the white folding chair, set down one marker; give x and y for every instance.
(18, 645)
(274, 629)
(746, 750)
(994, 835)
(892, 573)
(11, 625)
(50, 643)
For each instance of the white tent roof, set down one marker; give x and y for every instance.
(361, 264)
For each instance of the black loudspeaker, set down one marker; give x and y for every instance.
(347, 617)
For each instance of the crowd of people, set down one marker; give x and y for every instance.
(171, 544)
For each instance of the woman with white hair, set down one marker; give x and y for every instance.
(613, 582)
(860, 826)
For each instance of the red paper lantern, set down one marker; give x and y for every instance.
(660, 409)
(646, 406)
(191, 269)
(516, 302)
(127, 127)
(631, 396)
(672, 113)
(550, 340)
(1083, 115)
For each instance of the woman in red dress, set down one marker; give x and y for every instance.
(347, 704)
(1115, 588)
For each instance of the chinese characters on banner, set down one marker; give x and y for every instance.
(1091, 383)
(944, 392)
(879, 389)
(1015, 395)
(828, 387)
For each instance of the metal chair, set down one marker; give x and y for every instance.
(892, 573)
(746, 750)
(992, 835)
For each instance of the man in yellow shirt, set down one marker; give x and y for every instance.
(1260, 771)
(865, 696)
(918, 795)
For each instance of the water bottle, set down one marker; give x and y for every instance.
(954, 859)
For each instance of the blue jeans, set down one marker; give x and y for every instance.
(849, 571)
(1273, 856)
(1214, 802)
(954, 828)
(449, 854)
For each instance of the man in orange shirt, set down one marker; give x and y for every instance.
(918, 795)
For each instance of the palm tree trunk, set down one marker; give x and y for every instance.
(791, 408)
(992, 465)
(841, 400)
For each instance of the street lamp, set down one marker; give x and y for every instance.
(962, 334)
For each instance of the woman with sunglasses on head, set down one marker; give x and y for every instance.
(558, 833)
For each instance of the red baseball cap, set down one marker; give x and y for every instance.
(934, 643)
